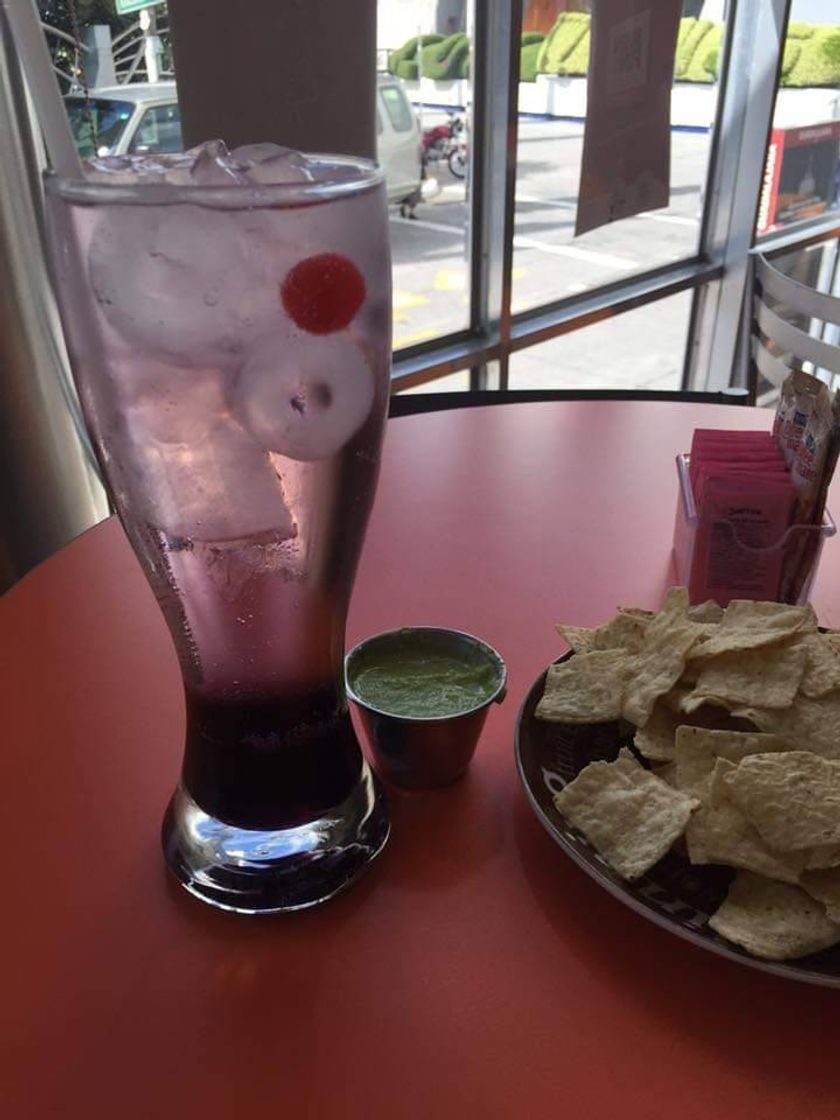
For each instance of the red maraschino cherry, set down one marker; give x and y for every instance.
(323, 294)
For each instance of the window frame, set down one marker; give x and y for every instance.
(716, 273)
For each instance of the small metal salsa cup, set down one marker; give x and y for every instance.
(422, 752)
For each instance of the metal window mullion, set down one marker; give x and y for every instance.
(751, 62)
(495, 66)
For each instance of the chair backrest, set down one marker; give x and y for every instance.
(788, 324)
(409, 404)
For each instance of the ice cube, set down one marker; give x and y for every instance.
(304, 396)
(214, 167)
(169, 404)
(186, 283)
(272, 163)
(221, 488)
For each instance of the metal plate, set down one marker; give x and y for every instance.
(674, 894)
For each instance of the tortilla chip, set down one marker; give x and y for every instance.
(808, 725)
(822, 665)
(658, 665)
(720, 833)
(767, 677)
(697, 749)
(792, 798)
(630, 816)
(622, 632)
(773, 920)
(822, 857)
(748, 625)
(824, 886)
(656, 739)
(667, 773)
(587, 688)
(710, 611)
(580, 638)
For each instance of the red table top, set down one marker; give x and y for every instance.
(475, 971)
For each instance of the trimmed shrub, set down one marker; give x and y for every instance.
(818, 61)
(561, 41)
(711, 64)
(811, 56)
(576, 64)
(406, 69)
(446, 60)
(706, 48)
(408, 52)
(790, 57)
(528, 56)
(691, 31)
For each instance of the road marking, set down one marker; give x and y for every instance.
(575, 254)
(421, 223)
(569, 251)
(648, 215)
(557, 202)
(672, 219)
(450, 280)
(405, 301)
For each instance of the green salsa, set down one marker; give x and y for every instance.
(420, 682)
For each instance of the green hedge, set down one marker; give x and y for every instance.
(403, 62)
(811, 56)
(818, 60)
(532, 42)
(693, 46)
(446, 59)
(562, 42)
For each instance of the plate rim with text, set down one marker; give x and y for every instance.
(651, 896)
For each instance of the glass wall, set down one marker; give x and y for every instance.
(639, 349)
(549, 262)
(802, 165)
(425, 48)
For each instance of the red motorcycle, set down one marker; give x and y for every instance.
(446, 143)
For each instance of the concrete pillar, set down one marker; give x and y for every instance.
(296, 72)
(98, 58)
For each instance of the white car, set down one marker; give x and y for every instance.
(146, 119)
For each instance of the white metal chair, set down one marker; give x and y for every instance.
(778, 342)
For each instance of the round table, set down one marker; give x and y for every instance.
(474, 971)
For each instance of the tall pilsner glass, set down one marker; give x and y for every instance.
(228, 321)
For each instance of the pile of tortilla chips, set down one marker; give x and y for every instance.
(737, 717)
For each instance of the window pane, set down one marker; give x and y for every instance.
(641, 349)
(159, 130)
(549, 262)
(104, 118)
(398, 108)
(802, 169)
(429, 242)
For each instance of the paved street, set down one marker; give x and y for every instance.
(643, 348)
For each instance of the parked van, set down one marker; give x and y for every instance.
(146, 119)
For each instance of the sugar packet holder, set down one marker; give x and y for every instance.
(749, 568)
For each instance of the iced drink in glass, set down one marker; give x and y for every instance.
(228, 322)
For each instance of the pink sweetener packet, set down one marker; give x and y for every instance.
(768, 464)
(705, 435)
(746, 473)
(738, 549)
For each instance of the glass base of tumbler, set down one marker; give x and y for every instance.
(269, 871)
